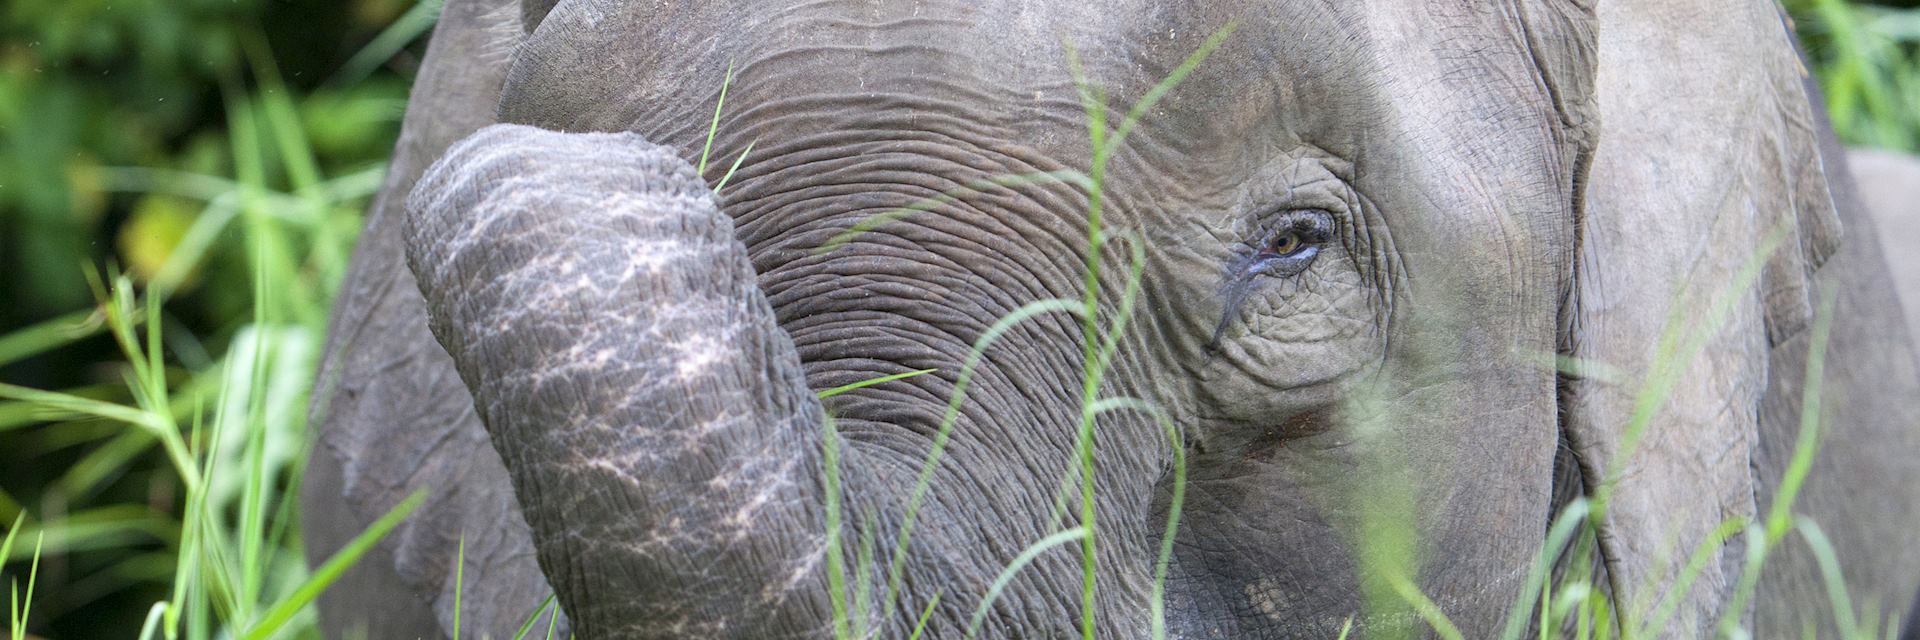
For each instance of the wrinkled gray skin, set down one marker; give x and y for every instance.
(605, 376)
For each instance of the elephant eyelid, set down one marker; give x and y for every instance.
(1307, 229)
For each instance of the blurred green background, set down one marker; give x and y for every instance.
(216, 155)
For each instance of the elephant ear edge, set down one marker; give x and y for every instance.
(1794, 163)
(388, 414)
(1559, 35)
(533, 11)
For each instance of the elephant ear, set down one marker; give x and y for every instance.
(389, 414)
(1706, 211)
(1560, 35)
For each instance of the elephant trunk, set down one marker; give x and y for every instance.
(654, 418)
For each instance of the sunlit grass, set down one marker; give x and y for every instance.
(234, 560)
(230, 425)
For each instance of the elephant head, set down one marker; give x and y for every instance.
(1345, 250)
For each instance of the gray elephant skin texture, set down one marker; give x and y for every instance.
(1405, 272)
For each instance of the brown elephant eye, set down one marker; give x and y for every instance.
(1287, 244)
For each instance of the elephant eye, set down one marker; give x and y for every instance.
(1292, 243)
(1286, 244)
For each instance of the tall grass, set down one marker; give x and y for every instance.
(18, 600)
(228, 420)
(1099, 344)
(231, 433)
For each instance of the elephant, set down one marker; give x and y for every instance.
(1376, 290)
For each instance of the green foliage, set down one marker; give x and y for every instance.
(217, 154)
(1867, 58)
(18, 602)
(91, 84)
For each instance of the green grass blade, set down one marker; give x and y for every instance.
(1176, 499)
(714, 127)
(1706, 551)
(57, 401)
(1129, 297)
(1684, 336)
(333, 568)
(924, 481)
(14, 627)
(49, 335)
(1021, 561)
(1569, 522)
(1808, 442)
(6, 544)
(409, 27)
(1546, 607)
(872, 381)
(1428, 611)
(527, 626)
(1779, 517)
(736, 167)
(24, 605)
(863, 609)
(921, 626)
(1841, 605)
(836, 554)
(1094, 351)
(1756, 556)
(93, 471)
(459, 582)
(282, 121)
(155, 616)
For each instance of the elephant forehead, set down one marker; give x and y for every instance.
(1441, 103)
(1306, 67)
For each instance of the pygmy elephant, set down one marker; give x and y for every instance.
(1379, 288)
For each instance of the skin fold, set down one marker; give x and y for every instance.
(1366, 229)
